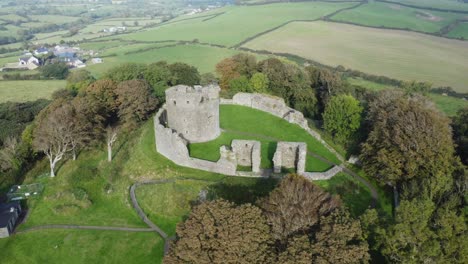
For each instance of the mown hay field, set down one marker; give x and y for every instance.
(396, 16)
(237, 23)
(393, 53)
(23, 91)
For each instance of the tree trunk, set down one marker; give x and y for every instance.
(109, 152)
(74, 154)
(52, 168)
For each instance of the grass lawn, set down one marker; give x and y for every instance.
(240, 122)
(355, 195)
(395, 16)
(54, 19)
(398, 54)
(81, 246)
(237, 23)
(22, 91)
(447, 104)
(461, 31)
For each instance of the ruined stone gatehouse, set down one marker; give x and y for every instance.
(247, 153)
(290, 155)
(194, 112)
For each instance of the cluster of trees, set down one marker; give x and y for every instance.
(319, 93)
(410, 148)
(297, 223)
(89, 112)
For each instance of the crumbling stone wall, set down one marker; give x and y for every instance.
(315, 176)
(194, 112)
(277, 107)
(247, 153)
(290, 155)
(174, 147)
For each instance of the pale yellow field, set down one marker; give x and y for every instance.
(392, 53)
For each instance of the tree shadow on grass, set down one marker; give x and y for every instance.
(241, 190)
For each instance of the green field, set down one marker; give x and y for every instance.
(82, 246)
(237, 23)
(54, 19)
(461, 31)
(377, 14)
(447, 104)
(22, 91)
(398, 54)
(239, 122)
(440, 4)
(204, 58)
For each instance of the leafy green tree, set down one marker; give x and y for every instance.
(246, 64)
(54, 71)
(158, 76)
(342, 117)
(295, 205)
(184, 74)
(326, 83)
(339, 239)
(240, 84)
(208, 78)
(126, 72)
(135, 102)
(409, 140)
(221, 232)
(460, 133)
(259, 83)
(78, 80)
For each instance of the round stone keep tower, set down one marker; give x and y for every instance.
(194, 112)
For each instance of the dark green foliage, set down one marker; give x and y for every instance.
(408, 140)
(14, 117)
(208, 78)
(126, 72)
(158, 76)
(296, 205)
(460, 134)
(184, 74)
(240, 84)
(342, 117)
(221, 232)
(54, 71)
(135, 102)
(78, 80)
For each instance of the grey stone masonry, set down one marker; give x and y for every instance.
(290, 155)
(194, 112)
(174, 147)
(277, 107)
(247, 153)
(314, 176)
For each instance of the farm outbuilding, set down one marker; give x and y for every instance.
(9, 215)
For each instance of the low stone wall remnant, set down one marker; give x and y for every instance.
(290, 155)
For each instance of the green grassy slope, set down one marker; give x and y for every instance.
(395, 16)
(22, 91)
(237, 23)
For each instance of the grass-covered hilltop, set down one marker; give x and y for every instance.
(370, 97)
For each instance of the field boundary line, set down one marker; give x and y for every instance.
(245, 41)
(424, 7)
(85, 227)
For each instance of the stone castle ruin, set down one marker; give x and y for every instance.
(194, 112)
(191, 114)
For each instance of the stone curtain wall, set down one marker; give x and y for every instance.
(290, 155)
(277, 107)
(314, 176)
(247, 153)
(172, 143)
(194, 112)
(172, 146)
